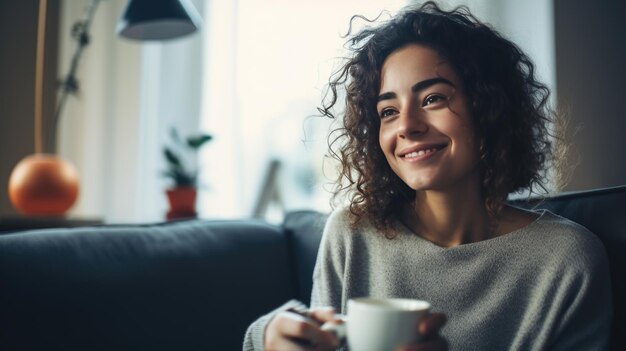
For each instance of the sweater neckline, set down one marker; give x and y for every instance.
(477, 244)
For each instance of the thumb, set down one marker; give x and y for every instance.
(431, 324)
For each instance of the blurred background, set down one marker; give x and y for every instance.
(252, 77)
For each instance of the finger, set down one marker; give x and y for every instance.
(287, 344)
(327, 315)
(437, 344)
(305, 332)
(323, 314)
(431, 324)
(297, 326)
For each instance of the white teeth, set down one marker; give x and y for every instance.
(419, 153)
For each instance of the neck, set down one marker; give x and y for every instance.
(450, 218)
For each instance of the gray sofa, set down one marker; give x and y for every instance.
(197, 285)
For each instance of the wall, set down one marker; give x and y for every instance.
(591, 77)
(18, 42)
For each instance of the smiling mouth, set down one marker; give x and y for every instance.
(422, 154)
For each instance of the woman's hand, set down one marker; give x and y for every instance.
(294, 332)
(429, 328)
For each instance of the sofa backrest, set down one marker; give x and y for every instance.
(192, 285)
(601, 211)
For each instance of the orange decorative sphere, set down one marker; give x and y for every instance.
(44, 185)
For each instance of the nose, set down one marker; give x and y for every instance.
(411, 123)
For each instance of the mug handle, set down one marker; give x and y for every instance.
(339, 329)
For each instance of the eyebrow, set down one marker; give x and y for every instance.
(417, 87)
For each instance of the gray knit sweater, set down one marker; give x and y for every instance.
(543, 287)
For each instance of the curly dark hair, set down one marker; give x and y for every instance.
(508, 105)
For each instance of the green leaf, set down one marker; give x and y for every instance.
(195, 142)
(172, 158)
(176, 168)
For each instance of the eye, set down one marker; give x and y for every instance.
(387, 112)
(432, 99)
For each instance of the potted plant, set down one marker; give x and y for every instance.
(180, 157)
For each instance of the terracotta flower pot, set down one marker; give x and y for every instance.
(182, 202)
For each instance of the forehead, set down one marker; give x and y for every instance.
(413, 63)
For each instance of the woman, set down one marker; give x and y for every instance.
(444, 119)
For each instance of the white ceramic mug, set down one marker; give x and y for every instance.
(380, 324)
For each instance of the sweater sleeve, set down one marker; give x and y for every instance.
(585, 318)
(255, 335)
(253, 340)
(327, 281)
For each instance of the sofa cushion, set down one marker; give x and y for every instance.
(191, 285)
(304, 230)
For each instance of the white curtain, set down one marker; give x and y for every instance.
(267, 65)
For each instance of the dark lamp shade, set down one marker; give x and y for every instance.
(158, 19)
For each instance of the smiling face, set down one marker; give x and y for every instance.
(426, 130)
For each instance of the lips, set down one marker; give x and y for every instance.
(420, 152)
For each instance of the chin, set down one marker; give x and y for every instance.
(422, 185)
(423, 182)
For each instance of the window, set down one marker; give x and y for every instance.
(267, 66)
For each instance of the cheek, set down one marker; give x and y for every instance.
(469, 145)
(386, 140)
(469, 138)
